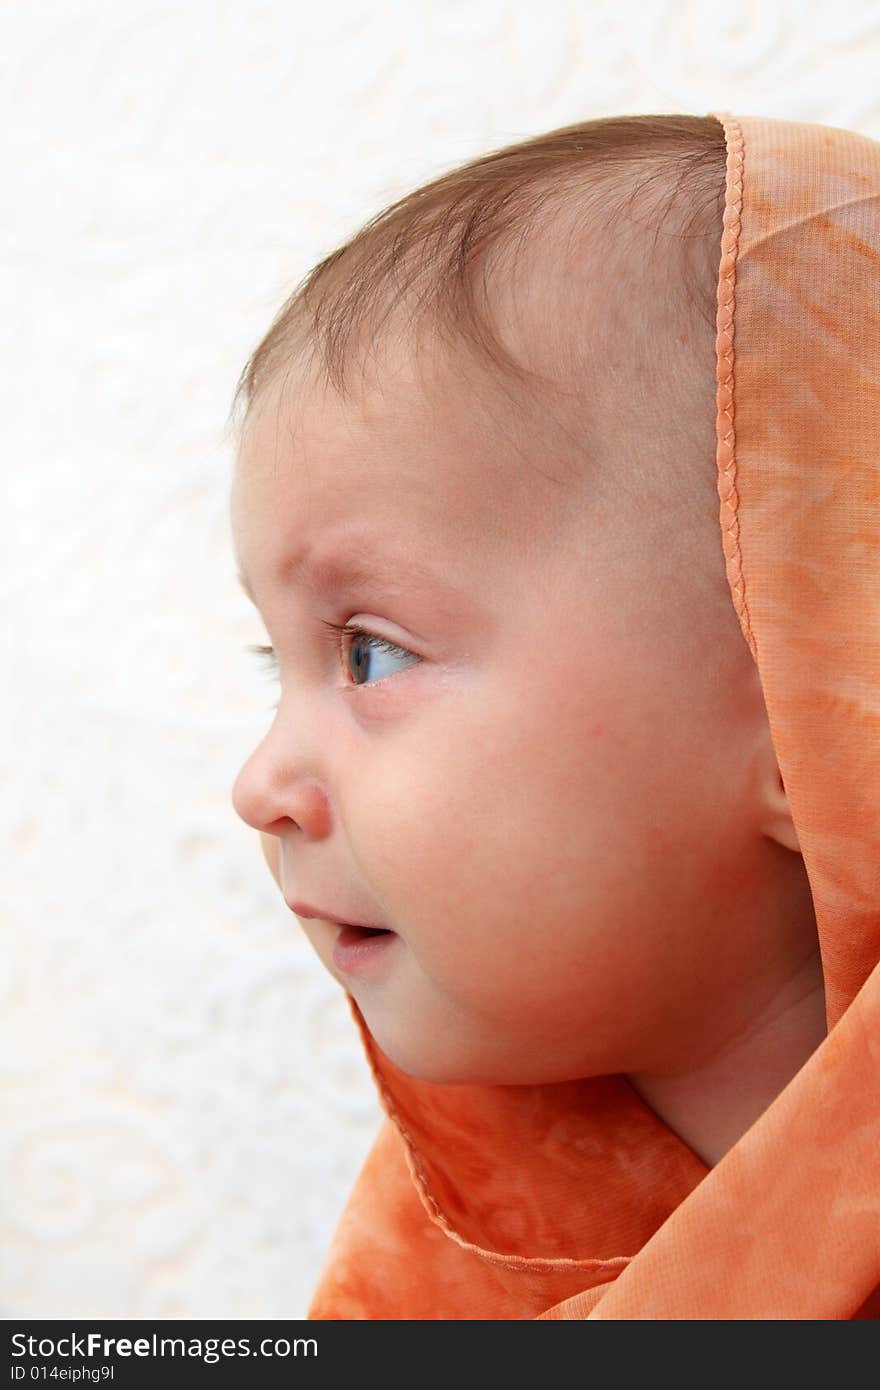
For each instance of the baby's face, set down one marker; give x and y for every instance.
(537, 782)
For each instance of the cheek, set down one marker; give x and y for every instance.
(478, 837)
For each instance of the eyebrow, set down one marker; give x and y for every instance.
(382, 572)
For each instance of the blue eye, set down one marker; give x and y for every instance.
(365, 647)
(364, 652)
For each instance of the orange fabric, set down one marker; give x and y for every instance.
(575, 1200)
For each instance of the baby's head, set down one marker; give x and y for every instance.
(483, 435)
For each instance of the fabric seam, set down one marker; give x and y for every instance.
(725, 355)
(414, 1163)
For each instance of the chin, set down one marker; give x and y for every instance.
(444, 1067)
(423, 1062)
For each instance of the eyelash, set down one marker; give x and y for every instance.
(332, 634)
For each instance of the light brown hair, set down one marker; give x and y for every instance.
(431, 254)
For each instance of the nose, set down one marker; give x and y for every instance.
(277, 792)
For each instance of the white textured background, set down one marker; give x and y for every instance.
(185, 1103)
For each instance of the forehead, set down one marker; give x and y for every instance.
(423, 460)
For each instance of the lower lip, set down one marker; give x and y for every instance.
(360, 954)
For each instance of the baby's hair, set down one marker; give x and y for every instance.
(430, 253)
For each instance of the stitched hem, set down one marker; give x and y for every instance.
(724, 374)
(414, 1163)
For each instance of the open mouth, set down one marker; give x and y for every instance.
(360, 936)
(365, 951)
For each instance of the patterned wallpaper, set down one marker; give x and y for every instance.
(185, 1100)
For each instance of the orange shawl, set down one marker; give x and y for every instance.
(576, 1200)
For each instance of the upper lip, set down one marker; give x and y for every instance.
(306, 910)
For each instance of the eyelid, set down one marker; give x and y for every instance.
(335, 630)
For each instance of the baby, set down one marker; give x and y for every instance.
(521, 746)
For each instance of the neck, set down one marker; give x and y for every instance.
(711, 1106)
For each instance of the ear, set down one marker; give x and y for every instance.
(777, 822)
